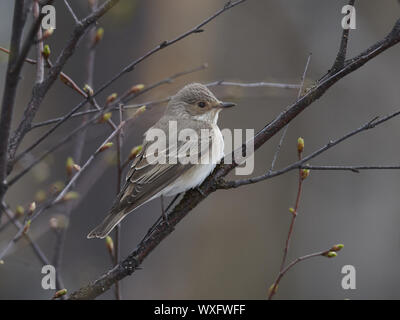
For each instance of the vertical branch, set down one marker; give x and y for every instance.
(303, 174)
(39, 46)
(119, 180)
(79, 143)
(278, 148)
(10, 89)
(294, 215)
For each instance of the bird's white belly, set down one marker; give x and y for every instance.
(199, 172)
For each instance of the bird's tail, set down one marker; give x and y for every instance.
(108, 224)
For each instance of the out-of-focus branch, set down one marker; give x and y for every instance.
(25, 126)
(279, 146)
(10, 89)
(193, 197)
(40, 90)
(10, 215)
(60, 196)
(126, 98)
(79, 142)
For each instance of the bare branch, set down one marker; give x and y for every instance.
(290, 266)
(77, 22)
(253, 84)
(355, 169)
(193, 197)
(35, 102)
(40, 90)
(301, 163)
(10, 89)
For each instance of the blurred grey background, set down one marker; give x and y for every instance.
(231, 245)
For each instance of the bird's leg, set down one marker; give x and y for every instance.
(200, 191)
(153, 227)
(173, 201)
(164, 215)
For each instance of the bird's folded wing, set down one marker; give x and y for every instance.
(147, 176)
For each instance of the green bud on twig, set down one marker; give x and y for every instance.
(337, 247)
(88, 90)
(60, 293)
(135, 151)
(110, 245)
(46, 51)
(330, 254)
(300, 145)
(105, 146)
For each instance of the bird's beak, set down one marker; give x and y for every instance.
(226, 104)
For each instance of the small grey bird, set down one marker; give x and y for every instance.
(196, 108)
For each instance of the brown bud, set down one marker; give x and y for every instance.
(337, 247)
(304, 173)
(110, 245)
(60, 293)
(31, 208)
(88, 90)
(105, 117)
(99, 36)
(26, 227)
(136, 88)
(111, 98)
(134, 152)
(105, 146)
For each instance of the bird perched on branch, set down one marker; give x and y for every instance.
(175, 165)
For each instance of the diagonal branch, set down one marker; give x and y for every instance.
(193, 197)
(301, 163)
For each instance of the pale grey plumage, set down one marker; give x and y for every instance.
(193, 107)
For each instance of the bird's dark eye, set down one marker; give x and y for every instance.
(201, 104)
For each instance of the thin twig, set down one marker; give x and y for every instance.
(25, 124)
(301, 163)
(290, 266)
(57, 199)
(355, 169)
(301, 87)
(77, 22)
(39, 91)
(253, 84)
(60, 143)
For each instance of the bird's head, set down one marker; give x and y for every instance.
(197, 102)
